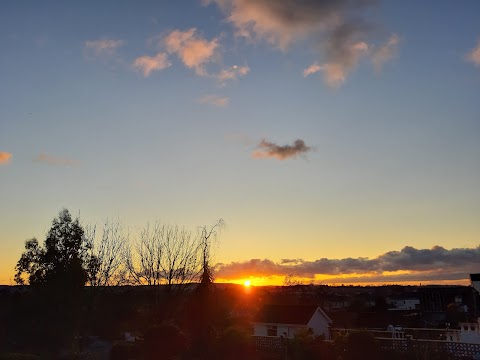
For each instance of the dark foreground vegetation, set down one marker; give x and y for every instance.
(170, 308)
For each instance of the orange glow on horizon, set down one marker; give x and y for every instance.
(339, 280)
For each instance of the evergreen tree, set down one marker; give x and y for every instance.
(62, 260)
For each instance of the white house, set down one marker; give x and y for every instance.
(469, 333)
(286, 320)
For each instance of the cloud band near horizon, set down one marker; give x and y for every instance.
(408, 264)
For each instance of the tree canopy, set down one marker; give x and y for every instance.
(63, 259)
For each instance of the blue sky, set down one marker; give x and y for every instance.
(147, 110)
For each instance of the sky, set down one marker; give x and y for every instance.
(338, 140)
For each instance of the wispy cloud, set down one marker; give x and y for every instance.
(337, 28)
(5, 157)
(474, 55)
(267, 149)
(385, 52)
(101, 47)
(312, 69)
(231, 73)
(215, 100)
(192, 49)
(148, 64)
(54, 160)
(436, 263)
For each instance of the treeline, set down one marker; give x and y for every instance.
(161, 254)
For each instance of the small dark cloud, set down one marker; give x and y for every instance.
(267, 149)
(291, 261)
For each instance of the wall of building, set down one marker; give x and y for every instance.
(320, 325)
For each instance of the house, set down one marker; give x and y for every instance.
(286, 320)
(469, 333)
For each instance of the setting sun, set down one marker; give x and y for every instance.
(246, 283)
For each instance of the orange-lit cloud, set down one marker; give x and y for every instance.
(312, 69)
(339, 30)
(385, 52)
(5, 157)
(53, 160)
(148, 64)
(408, 264)
(474, 55)
(232, 73)
(101, 47)
(336, 71)
(282, 22)
(268, 149)
(192, 49)
(215, 100)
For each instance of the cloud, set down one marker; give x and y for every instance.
(5, 157)
(343, 52)
(474, 55)
(215, 100)
(53, 160)
(282, 22)
(386, 52)
(312, 69)
(291, 261)
(102, 46)
(436, 263)
(280, 152)
(336, 28)
(191, 48)
(147, 64)
(232, 73)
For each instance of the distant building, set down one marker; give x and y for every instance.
(286, 320)
(438, 304)
(475, 281)
(438, 298)
(404, 303)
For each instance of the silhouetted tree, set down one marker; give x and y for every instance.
(202, 303)
(62, 260)
(292, 280)
(206, 237)
(106, 263)
(166, 255)
(57, 271)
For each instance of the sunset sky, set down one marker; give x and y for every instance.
(339, 140)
